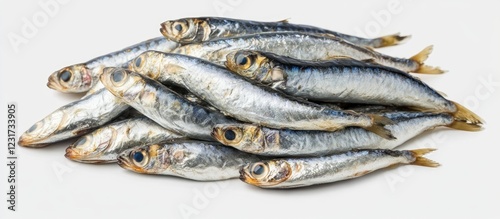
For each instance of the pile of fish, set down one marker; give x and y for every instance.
(278, 105)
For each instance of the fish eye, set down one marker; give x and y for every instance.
(179, 27)
(33, 128)
(65, 75)
(138, 62)
(244, 61)
(232, 135)
(83, 141)
(241, 60)
(118, 77)
(229, 135)
(259, 170)
(139, 158)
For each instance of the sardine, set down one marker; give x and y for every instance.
(74, 119)
(305, 47)
(343, 80)
(161, 104)
(196, 160)
(247, 102)
(106, 143)
(299, 172)
(284, 143)
(82, 77)
(200, 29)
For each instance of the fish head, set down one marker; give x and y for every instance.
(186, 30)
(244, 137)
(266, 174)
(148, 63)
(36, 135)
(143, 159)
(250, 64)
(91, 147)
(124, 84)
(72, 79)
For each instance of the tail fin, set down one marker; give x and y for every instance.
(422, 161)
(378, 128)
(420, 59)
(461, 125)
(392, 40)
(465, 115)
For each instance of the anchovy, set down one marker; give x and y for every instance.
(74, 119)
(299, 172)
(82, 77)
(305, 47)
(283, 142)
(196, 160)
(161, 104)
(200, 29)
(106, 143)
(247, 102)
(341, 80)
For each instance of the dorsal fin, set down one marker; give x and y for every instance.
(285, 21)
(372, 61)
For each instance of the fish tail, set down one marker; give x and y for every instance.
(378, 126)
(420, 59)
(393, 39)
(461, 125)
(465, 115)
(422, 161)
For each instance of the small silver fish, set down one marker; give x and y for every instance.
(74, 119)
(342, 80)
(82, 77)
(305, 47)
(200, 29)
(247, 102)
(106, 143)
(161, 104)
(299, 172)
(196, 160)
(285, 143)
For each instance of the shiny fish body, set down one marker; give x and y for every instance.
(245, 101)
(195, 30)
(196, 160)
(282, 142)
(295, 45)
(163, 105)
(300, 172)
(82, 77)
(106, 143)
(74, 119)
(340, 80)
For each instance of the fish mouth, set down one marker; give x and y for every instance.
(74, 155)
(245, 177)
(226, 64)
(54, 84)
(164, 29)
(229, 63)
(27, 141)
(123, 163)
(215, 134)
(126, 164)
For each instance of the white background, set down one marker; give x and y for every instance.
(466, 38)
